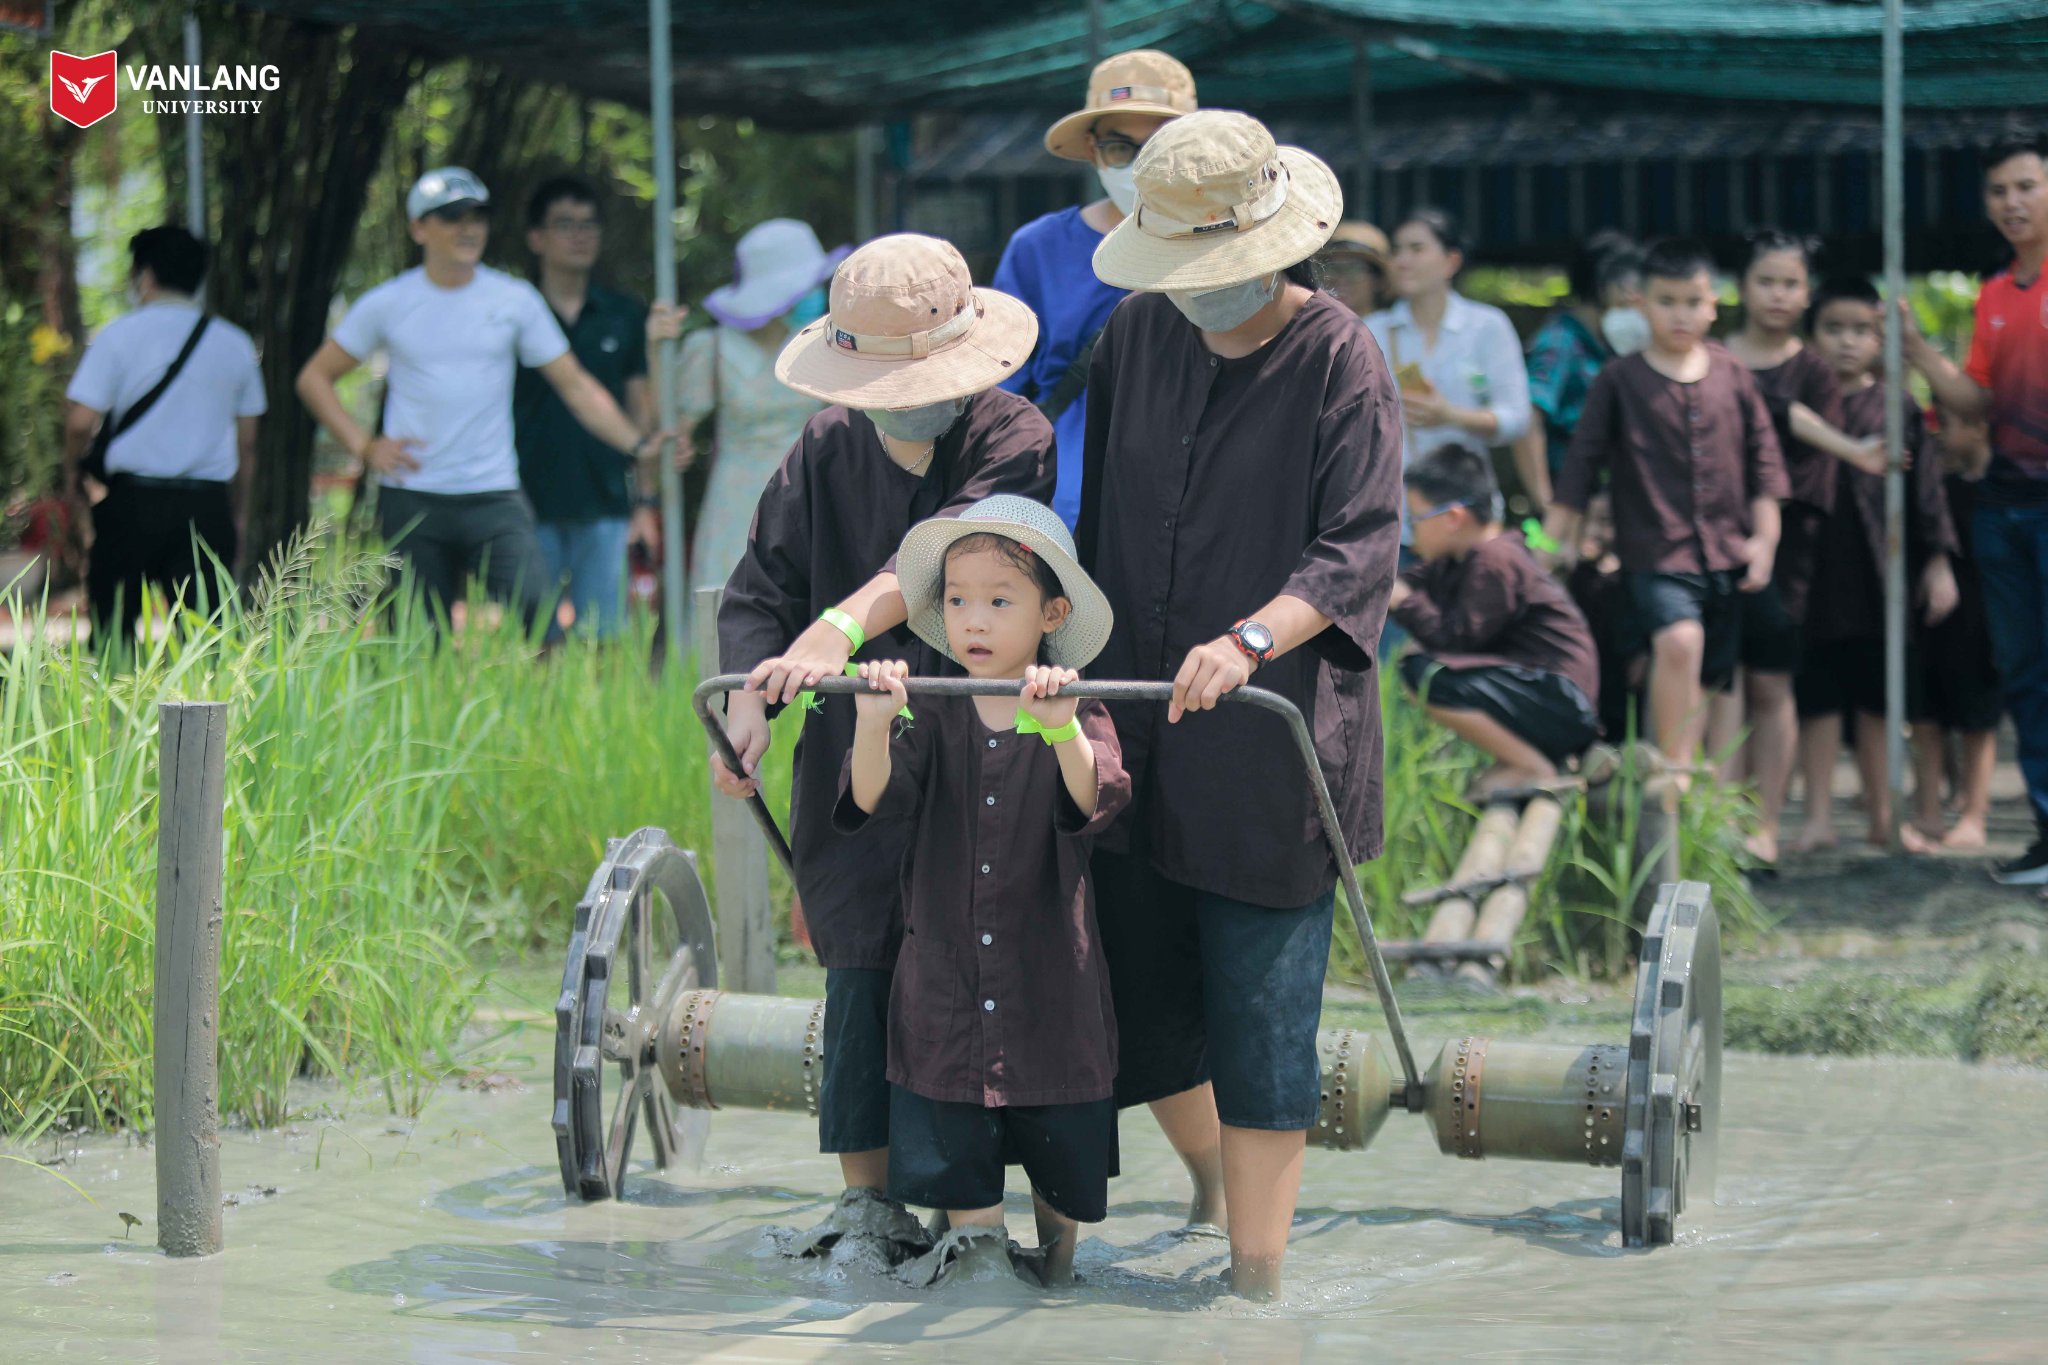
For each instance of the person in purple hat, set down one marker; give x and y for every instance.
(779, 275)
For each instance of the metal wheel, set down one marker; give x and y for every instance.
(642, 938)
(1669, 1146)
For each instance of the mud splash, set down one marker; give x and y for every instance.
(1894, 1206)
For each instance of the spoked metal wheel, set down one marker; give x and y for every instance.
(1673, 1130)
(642, 939)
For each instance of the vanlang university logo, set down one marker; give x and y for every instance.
(84, 90)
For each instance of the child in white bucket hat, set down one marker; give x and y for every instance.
(1240, 509)
(1000, 1035)
(908, 358)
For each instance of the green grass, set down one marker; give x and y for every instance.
(402, 813)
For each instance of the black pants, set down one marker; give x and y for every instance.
(446, 538)
(148, 534)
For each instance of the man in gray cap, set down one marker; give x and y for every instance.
(456, 332)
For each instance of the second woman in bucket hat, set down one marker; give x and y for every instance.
(1131, 95)
(1240, 508)
(908, 358)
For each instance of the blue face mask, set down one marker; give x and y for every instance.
(807, 309)
(927, 423)
(1219, 310)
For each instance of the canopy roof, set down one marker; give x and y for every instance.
(836, 62)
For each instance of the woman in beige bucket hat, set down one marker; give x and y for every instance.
(1239, 509)
(908, 357)
(1130, 96)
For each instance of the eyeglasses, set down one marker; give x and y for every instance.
(1116, 152)
(575, 227)
(1440, 509)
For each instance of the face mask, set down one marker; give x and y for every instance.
(1626, 330)
(807, 309)
(927, 423)
(1120, 183)
(1219, 310)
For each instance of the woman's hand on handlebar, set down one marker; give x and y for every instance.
(820, 652)
(1210, 671)
(746, 725)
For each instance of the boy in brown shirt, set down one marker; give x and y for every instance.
(1506, 660)
(1696, 476)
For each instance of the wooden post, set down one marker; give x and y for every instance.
(191, 796)
(739, 855)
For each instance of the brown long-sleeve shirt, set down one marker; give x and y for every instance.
(1848, 587)
(830, 520)
(1685, 460)
(1209, 487)
(1497, 606)
(1805, 378)
(1001, 996)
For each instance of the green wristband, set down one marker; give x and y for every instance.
(847, 626)
(1071, 730)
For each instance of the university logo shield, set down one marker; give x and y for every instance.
(83, 90)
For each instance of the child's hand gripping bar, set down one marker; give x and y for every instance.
(1304, 744)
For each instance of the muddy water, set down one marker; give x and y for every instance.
(1887, 1208)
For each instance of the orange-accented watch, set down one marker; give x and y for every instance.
(1254, 640)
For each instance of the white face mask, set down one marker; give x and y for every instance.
(1626, 330)
(1120, 183)
(1219, 310)
(927, 423)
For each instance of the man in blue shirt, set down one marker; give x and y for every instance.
(1049, 262)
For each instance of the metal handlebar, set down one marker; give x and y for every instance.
(1412, 1093)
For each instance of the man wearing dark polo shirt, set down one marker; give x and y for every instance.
(583, 492)
(2006, 380)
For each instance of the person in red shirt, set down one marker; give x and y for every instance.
(2006, 381)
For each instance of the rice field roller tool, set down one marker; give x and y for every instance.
(640, 998)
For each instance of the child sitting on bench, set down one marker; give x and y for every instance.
(1505, 659)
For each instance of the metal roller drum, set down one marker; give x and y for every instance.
(1529, 1101)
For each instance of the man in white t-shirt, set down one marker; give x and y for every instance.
(456, 333)
(177, 474)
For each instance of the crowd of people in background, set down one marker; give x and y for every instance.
(1262, 441)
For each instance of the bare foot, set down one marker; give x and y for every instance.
(1814, 838)
(1967, 836)
(1763, 846)
(1913, 840)
(1502, 778)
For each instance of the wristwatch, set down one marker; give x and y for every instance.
(1254, 639)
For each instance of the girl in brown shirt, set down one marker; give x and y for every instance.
(1001, 1036)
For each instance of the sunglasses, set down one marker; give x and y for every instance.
(460, 213)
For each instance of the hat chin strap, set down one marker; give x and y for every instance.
(915, 346)
(1243, 217)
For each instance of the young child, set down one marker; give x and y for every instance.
(909, 356)
(1598, 590)
(1506, 660)
(1002, 1040)
(1959, 676)
(1800, 391)
(1844, 666)
(1696, 479)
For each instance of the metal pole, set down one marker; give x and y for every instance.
(1094, 33)
(867, 211)
(195, 149)
(191, 797)
(1894, 423)
(1361, 130)
(739, 853)
(662, 105)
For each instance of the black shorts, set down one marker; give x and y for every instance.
(1771, 639)
(1958, 673)
(1841, 677)
(1546, 710)
(1660, 600)
(1207, 988)
(853, 1094)
(948, 1155)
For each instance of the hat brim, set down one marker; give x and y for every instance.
(1068, 138)
(993, 349)
(1130, 259)
(1349, 248)
(921, 572)
(751, 303)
